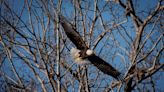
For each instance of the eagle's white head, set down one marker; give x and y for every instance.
(75, 53)
(89, 52)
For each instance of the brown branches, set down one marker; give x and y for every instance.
(34, 45)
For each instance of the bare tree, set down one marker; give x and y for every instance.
(35, 45)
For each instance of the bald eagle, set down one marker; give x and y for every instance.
(82, 54)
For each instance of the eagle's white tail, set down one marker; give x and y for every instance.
(76, 56)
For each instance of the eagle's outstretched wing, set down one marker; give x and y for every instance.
(72, 34)
(105, 67)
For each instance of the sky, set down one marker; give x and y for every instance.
(142, 5)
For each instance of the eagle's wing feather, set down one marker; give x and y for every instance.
(72, 34)
(105, 67)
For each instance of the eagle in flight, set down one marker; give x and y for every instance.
(82, 54)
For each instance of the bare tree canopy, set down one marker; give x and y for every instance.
(126, 36)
